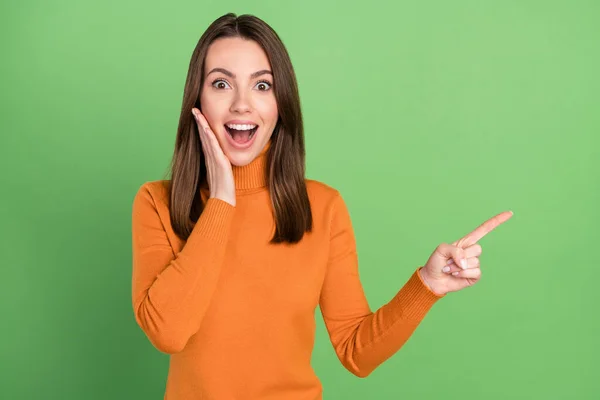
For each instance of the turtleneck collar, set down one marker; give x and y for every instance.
(249, 177)
(254, 174)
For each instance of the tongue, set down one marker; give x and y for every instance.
(241, 136)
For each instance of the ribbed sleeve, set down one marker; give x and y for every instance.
(171, 292)
(363, 339)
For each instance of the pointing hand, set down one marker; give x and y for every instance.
(455, 266)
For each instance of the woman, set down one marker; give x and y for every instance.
(233, 254)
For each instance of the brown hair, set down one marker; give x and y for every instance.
(285, 157)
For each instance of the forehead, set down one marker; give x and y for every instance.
(240, 56)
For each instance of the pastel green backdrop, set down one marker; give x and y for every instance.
(430, 117)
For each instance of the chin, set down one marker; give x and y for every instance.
(240, 161)
(241, 158)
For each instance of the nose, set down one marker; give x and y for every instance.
(241, 102)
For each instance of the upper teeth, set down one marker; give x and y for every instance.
(241, 127)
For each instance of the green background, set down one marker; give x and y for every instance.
(429, 117)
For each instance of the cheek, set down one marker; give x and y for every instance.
(211, 110)
(268, 110)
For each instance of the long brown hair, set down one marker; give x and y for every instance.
(285, 156)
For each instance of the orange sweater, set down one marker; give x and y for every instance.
(236, 314)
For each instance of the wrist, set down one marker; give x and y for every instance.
(225, 198)
(429, 282)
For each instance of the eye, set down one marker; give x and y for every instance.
(220, 84)
(263, 85)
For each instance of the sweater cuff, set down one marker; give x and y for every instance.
(415, 298)
(214, 221)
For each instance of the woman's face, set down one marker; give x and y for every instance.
(237, 97)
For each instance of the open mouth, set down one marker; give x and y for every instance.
(241, 133)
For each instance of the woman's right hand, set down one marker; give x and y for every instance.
(218, 167)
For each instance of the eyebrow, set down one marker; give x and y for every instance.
(232, 75)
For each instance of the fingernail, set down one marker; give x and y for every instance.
(450, 261)
(445, 269)
(463, 263)
(455, 273)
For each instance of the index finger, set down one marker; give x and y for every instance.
(484, 229)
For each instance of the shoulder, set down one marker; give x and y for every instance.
(329, 205)
(156, 193)
(323, 194)
(321, 189)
